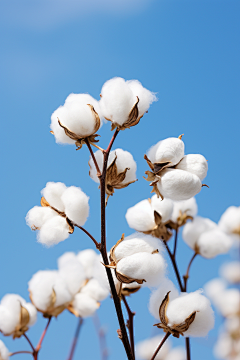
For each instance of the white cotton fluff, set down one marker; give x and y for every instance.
(232, 324)
(178, 184)
(167, 150)
(143, 265)
(146, 348)
(213, 243)
(65, 258)
(53, 192)
(140, 217)
(95, 290)
(42, 285)
(85, 305)
(73, 274)
(163, 207)
(53, 231)
(10, 310)
(177, 353)
(77, 116)
(231, 272)
(192, 230)
(183, 306)
(159, 294)
(186, 206)
(230, 220)
(76, 205)
(195, 164)
(38, 215)
(88, 258)
(4, 353)
(223, 347)
(137, 243)
(215, 288)
(228, 303)
(118, 97)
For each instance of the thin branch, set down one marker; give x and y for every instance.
(101, 336)
(21, 352)
(93, 157)
(75, 339)
(175, 242)
(38, 347)
(186, 276)
(160, 345)
(130, 324)
(30, 343)
(187, 343)
(174, 266)
(88, 234)
(111, 142)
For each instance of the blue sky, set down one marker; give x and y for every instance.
(187, 51)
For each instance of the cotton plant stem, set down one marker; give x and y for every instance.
(21, 352)
(160, 345)
(130, 324)
(175, 242)
(102, 338)
(186, 276)
(75, 339)
(30, 343)
(38, 347)
(174, 266)
(89, 235)
(93, 157)
(187, 343)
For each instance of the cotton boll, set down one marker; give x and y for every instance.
(83, 99)
(213, 243)
(186, 206)
(146, 97)
(150, 267)
(228, 303)
(38, 215)
(88, 258)
(60, 136)
(76, 205)
(140, 217)
(214, 289)
(163, 207)
(231, 272)
(167, 150)
(95, 290)
(125, 160)
(192, 230)
(177, 353)
(53, 231)
(117, 100)
(85, 305)
(146, 348)
(180, 308)
(230, 220)
(8, 321)
(159, 294)
(195, 164)
(53, 192)
(178, 184)
(73, 275)
(65, 258)
(4, 353)
(32, 313)
(93, 172)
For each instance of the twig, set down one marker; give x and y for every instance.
(187, 343)
(93, 157)
(21, 352)
(75, 339)
(174, 266)
(30, 343)
(175, 242)
(186, 276)
(130, 324)
(38, 347)
(160, 345)
(102, 338)
(88, 234)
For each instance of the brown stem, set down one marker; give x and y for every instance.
(75, 339)
(30, 343)
(175, 242)
(160, 345)
(101, 335)
(88, 234)
(93, 157)
(21, 352)
(187, 343)
(186, 276)
(130, 324)
(38, 347)
(174, 266)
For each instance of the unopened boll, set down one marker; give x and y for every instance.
(4, 353)
(146, 348)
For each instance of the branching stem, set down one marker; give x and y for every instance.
(38, 347)
(93, 157)
(89, 235)
(130, 324)
(29, 341)
(172, 257)
(187, 343)
(160, 345)
(175, 242)
(21, 352)
(186, 276)
(75, 339)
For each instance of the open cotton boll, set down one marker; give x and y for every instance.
(99, 158)
(4, 353)
(228, 303)
(74, 275)
(192, 230)
(53, 231)
(83, 99)
(146, 348)
(231, 272)
(38, 215)
(117, 100)
(167, 150)
(41, 287)
(84, 305)
(146, 97)
(59, 133)
(177, 353)
(143, 265)
(76, 205)
(223, 347)
(8, 321)
(178, 184)
(88, 258)
(125, 160)
(95, 290)
(230, 221)
(140, 217)
(53, 192)
(213, 243)
(186, 206)
(32, 311)
(159, 294)
(195, 164)
(180, 308)
(215, 288)
(65, 258)
(163, 207)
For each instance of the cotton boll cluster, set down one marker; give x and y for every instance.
(228, 344)
(184, 210)
(77, 119)
(206, 238)
(62, 208)
(172, 174)
(230, 222)
(4, 353)
(231, 272)
(16, 315)
(146, 348)
(124, 102)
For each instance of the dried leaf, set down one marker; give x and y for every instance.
(97, 118)
(126, 279)
(44, 202)
(128, 291)
(163, 310)
(150, 164)
(185, 324)
(122, 186)
(150, 176)
(157, 218)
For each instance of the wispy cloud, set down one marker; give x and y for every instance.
(47, 14)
